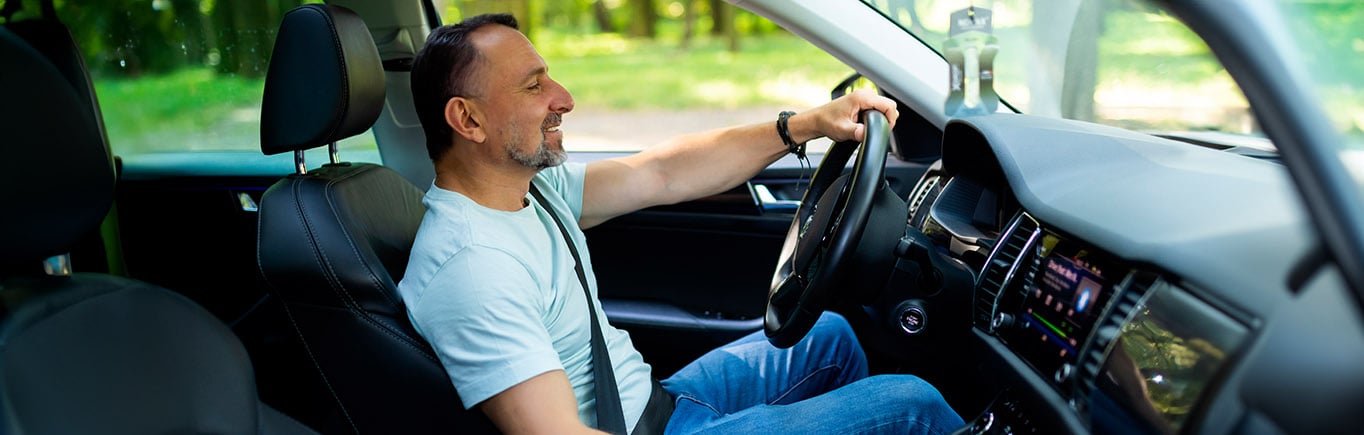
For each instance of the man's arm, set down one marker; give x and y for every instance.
(540, 405)
(696, 165)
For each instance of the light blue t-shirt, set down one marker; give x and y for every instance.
(495, 294)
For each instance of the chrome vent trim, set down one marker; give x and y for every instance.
(919, 196)
(1001, 267)
(1130, 296)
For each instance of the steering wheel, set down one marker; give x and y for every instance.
(822, 242)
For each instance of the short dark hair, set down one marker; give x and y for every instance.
(441, 71)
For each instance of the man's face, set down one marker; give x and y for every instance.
(522, 105)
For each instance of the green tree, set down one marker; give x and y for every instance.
(130, 37)
(688, 22)
(644, 19)
(241, 36)
(523, 10)
(723, 19)
(193, 27)
(602, 15)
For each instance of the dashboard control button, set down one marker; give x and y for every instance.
(984, 423)
(912, 319)
(1063, 374)
(1002, 321)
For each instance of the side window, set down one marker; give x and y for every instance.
(641, 72)
(180, 75)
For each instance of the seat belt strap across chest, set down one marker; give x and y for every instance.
(610, 417)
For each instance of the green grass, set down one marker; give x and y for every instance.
(188, 109)
(616, 73)
(1168, 48)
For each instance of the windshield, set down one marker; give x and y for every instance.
(1122, 63)
(1330, 34)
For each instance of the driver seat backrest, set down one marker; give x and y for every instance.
(93, 353)
(334, 241)
(54, 41)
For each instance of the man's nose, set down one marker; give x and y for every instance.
(563, 101)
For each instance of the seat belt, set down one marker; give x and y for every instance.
(610, 417)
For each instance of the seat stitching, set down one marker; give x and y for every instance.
(345, 76)
(374, 278)
(300, 213)
(302, 339)
(354, 308)
(327, 194)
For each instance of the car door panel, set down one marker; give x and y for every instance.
(686, 278)
(193, 235)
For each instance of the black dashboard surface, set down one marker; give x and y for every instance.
(1187, 250)
(1229, 224)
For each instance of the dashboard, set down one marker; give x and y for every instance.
(1120, 278)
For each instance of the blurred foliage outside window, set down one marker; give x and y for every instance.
(1117, 62)
(1129, 63)
(1330, 34)
(177, 75)
(187, 75)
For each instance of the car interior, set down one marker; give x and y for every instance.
(1046, 275)
(124, 355)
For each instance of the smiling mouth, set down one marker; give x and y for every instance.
(551, 123)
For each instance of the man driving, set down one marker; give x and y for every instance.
(500, 279)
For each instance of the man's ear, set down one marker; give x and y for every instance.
(463, 115)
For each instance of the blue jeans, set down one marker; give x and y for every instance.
(818, 386)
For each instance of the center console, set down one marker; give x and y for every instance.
(1101, 345)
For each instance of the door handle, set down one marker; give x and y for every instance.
(770, 202)
(248, 204)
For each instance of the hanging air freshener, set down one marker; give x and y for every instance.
(970, 51)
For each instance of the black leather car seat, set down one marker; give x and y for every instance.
(91, 353)
(334, 241)
(53, 40)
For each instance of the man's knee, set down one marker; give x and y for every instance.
(906, 388)
(914, 395)
(833, 331)
(833, 325)
(833, 338)
(902, 401)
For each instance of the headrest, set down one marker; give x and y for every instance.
(56, 181)
(51, 38)
(325, 83)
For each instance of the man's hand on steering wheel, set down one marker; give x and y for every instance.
(840, 119)
(836, 241)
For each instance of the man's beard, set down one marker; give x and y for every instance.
(543, 156)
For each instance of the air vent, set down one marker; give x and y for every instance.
(925, 194)
(1105, 331)
(1000, 268)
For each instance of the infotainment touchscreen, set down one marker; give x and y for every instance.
(1166, 356)
(1064, 293)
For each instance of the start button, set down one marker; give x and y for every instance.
(912, 318)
